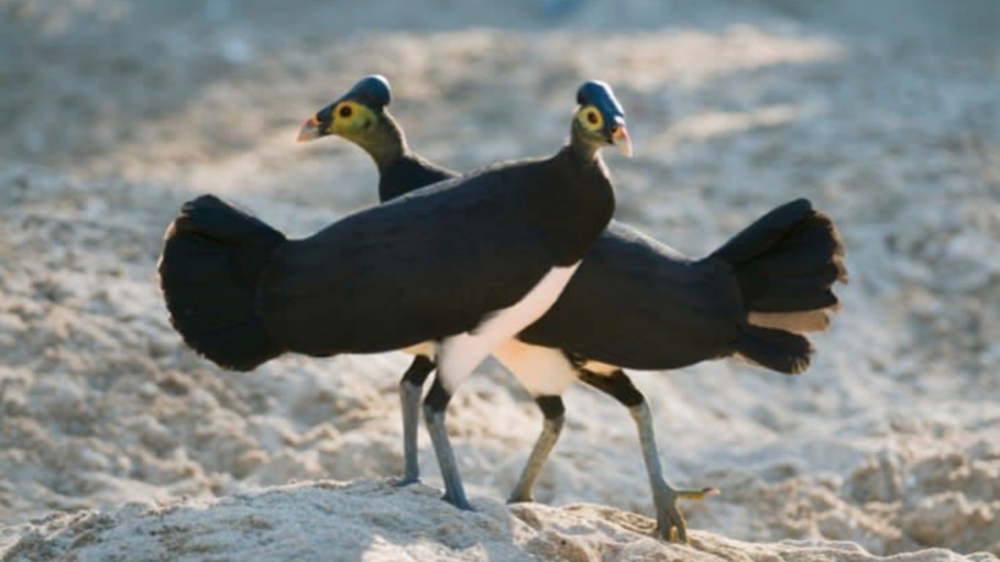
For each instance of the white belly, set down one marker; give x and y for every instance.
(462, 353)
(543, 371)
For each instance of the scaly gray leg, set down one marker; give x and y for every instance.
(410, 389)
(434, 412)
(555, 416)
(670, 522)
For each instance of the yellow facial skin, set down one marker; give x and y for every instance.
(349, 119)
(591, 121)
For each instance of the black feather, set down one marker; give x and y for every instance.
(408, 173)
(426, 266)
(213, 258)
(788, 260)
(777, 350)
(637, 303)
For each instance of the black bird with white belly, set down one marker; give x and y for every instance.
(501, 247)
(634, 302)
(361, 116)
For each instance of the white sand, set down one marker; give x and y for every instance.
(887, 118)
(377, 522)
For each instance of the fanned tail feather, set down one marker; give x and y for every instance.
(212, 261)
(780, 350)
(786, 264)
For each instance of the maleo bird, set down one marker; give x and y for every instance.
(502, 245)
(633, 303)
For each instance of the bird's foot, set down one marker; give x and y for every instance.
(407, 479)
(670, 523)
(521, 497)
(460, 502)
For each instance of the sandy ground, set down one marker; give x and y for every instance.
(886, 115)
(327, 520)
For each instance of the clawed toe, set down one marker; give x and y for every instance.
(697, 495)
(670, 523)
(671, 526)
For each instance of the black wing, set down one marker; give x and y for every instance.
(639, 304)
(425, 266)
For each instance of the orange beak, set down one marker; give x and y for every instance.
(309, 131)
(619, 137)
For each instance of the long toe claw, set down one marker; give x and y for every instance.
(670, 522)
(696, 495)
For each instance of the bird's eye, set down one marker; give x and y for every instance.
(590, 118)
(345, 111)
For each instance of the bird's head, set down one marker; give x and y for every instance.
(354, 114)
(600, 119)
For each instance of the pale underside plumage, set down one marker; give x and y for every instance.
(460, 354)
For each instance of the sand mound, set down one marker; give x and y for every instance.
(375, 521)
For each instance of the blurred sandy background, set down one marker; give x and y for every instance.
(885, 114)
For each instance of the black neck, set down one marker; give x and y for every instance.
(385, 142)
(580, 194)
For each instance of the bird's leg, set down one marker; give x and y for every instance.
(670, 522)
(434, 411)
(555, 416)
(410, 389)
